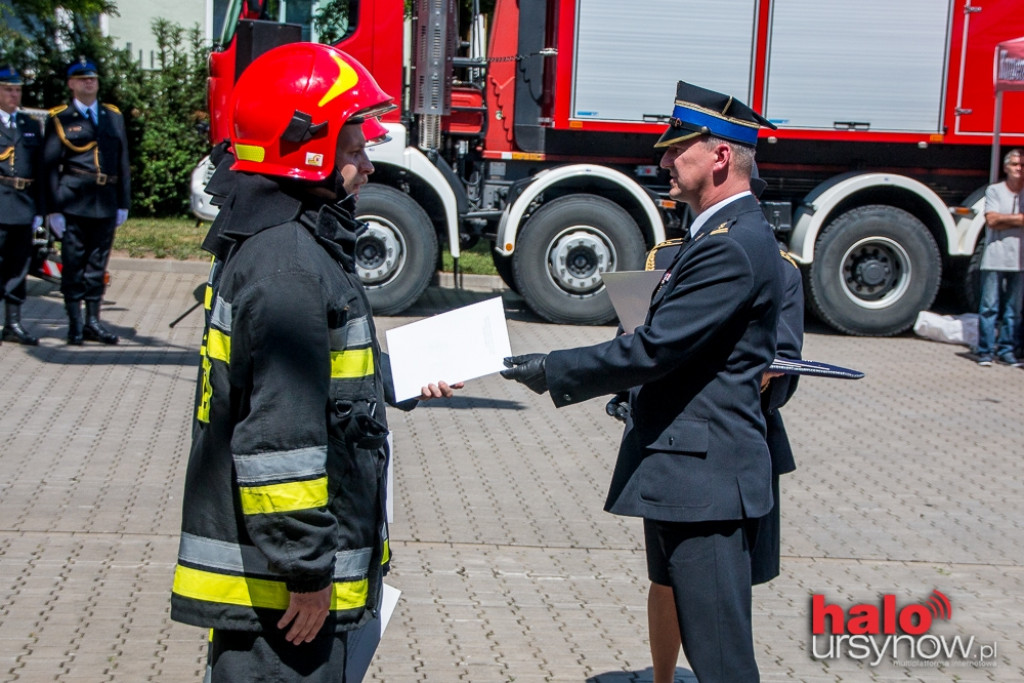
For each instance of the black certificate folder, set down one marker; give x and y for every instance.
(810, 367)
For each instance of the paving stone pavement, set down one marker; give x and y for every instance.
(908, 482)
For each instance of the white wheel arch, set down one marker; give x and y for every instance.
(508, 228)
(819, 204)
(971, 228)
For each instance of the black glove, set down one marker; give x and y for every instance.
(618, 407)
(528, 370)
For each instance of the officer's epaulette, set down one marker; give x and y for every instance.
(111, 107)
(789, 257)
(652, 254)
(58, 109)
(722, 229)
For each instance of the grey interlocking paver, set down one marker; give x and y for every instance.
(908, 482)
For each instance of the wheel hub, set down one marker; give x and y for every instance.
(378, 252)
(577, 258)
(876, 271)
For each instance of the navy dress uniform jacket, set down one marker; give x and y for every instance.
(21, 158)
(694, 448)
(87, 165)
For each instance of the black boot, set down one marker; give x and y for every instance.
(93, 330)
(74, 309)
(13, 331)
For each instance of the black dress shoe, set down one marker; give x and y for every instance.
(16, 333)
(94, 331)
(13, 331)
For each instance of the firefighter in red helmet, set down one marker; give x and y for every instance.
(284, 538)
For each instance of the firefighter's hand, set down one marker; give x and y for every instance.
(36, 222)
(439, 390)
(122, 216)
(57, 224)
(306, 613)
(529, 370)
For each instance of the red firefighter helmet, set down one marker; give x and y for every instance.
(290, 104)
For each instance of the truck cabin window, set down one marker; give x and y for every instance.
(322, 21)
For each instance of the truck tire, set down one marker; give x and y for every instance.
(875, 268)
(397, 255)
(503, 264)
(563, 249)
(970, 290)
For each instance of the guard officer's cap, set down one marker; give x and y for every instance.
(83, 68)
(9, 75)
(699, 111)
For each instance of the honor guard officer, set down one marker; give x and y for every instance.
(693, 462)
(86, 157)
(21, 145)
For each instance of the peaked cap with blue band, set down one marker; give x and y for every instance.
(699, 111)
(83, 68)
(9, 75)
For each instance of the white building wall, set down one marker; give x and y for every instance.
(133, 28)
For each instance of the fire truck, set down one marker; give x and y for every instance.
(538, 139)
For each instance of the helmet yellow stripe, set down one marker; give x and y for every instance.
(347, 77)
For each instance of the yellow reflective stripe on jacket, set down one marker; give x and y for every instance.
(352, 363)
(206, 392)
(387, 552)
(287, 497)
(218, 345)
(252, 592)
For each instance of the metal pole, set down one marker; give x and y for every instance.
(993, 171)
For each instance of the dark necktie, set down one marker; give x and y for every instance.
(90, 115)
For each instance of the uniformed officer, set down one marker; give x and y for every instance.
(21, 144)
(86, 157)
(693, 462)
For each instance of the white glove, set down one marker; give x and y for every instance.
(36, 222)
(122, 216)
(57, 224)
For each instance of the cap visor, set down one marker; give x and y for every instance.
(673, 136)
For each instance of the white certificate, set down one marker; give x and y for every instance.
(630, 292)
(362, 642)
(463, 344)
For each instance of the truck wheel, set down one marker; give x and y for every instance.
(396, 256)
(564, 248)
(875, 268)
(971, 287)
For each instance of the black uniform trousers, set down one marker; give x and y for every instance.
(85, 251)
(15, 255)
(266, 657)
(708, 566)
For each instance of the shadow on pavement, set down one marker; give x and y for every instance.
(471, 403)
(645, 676)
